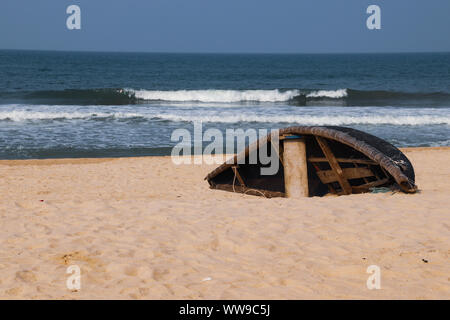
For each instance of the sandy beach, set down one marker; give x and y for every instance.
(143, 228)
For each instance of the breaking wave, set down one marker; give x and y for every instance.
(333, 94)
(343, 97)
(300, 97)
(225, 96)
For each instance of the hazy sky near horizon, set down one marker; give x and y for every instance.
(285, 26)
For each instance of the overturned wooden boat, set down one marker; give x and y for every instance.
(315, 161)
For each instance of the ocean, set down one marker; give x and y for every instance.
(85, 104)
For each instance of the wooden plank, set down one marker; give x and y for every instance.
(278, 149)
(384, 171)
(364, 178)
(376, 175)
(356, 173)
(330, 187)
(327, 176)
(238, 176)
(365, 187)
(295, 168)
(343, 160)
(345, 185)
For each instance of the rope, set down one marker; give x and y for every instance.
(247, 190)
(234, 180)
(255, 190)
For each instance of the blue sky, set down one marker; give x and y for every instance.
(286, 26)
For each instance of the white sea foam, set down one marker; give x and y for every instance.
(334, 94)
(303, 116)
(311, 120)
(21, 115)
(223, 96)
(227, 96)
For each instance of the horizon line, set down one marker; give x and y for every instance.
(222, 53)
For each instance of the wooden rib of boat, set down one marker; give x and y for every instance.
(338, 160)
